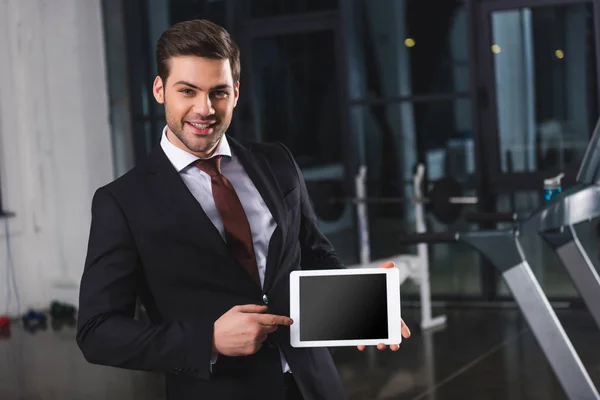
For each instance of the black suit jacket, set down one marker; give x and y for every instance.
(150, 239)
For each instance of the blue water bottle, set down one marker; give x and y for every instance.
(552, 187)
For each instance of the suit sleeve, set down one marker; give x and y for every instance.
(317, 251)
(107, 332)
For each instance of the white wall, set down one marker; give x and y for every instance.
(55, 145)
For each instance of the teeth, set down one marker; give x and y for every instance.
(200, 126)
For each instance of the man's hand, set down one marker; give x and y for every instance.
(404, 329)
(242, 330)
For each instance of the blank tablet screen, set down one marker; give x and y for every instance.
(345, 307)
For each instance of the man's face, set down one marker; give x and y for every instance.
(199, 96)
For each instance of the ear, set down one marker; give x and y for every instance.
(158, 90)
(236, 93)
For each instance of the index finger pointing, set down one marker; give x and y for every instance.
(388, 264)
(272, 320)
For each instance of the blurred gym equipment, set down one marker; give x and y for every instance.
(414, 267)
(445, 199)
(60, 310)
(35, 321)
(4, 327)
(554, 221)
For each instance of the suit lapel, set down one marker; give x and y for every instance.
(173, 200)
(260, 173)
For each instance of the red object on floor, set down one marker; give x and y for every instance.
(4, 327)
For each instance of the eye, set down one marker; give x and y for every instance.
(220, 94)
(187, 91)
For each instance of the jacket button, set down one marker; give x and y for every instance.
(265, 299)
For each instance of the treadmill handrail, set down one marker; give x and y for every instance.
(590, 165)
(578, 204)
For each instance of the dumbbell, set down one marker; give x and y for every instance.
(4, 327)
(33, 321)
(445, 200)
(61, 310)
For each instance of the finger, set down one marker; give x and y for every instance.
(268, 329)
(395, 347)
(361, 348)
(271, 320)
(404, 329)
(250, 308)
(388, 264)
(381, 346)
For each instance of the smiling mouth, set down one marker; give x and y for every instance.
(203, 128)
(201, 125)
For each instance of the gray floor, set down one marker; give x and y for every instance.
(480, 354)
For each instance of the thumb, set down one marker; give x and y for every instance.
(388, 264)
(251, 308)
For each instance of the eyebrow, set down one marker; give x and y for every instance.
(218, 87)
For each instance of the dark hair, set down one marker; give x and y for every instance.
(200, 38)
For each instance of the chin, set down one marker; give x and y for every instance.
(203, 144)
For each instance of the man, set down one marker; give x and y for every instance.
(205, 232)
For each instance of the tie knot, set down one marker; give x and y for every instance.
(211, 166)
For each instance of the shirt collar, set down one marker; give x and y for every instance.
(182, 159)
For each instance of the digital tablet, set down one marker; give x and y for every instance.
(345, 307)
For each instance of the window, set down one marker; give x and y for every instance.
(297, 93)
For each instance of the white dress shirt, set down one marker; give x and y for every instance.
(199, 184)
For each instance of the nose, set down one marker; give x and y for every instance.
(203, 105)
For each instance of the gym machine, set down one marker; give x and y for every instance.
(410, 266)
(554, 221)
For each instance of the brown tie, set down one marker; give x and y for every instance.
(235, 223)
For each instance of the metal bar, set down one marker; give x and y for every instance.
(474, 301)
(567, 246)
(427, 321)
(482, 217)
(504, 250)
(549, 333)
(572, 206)
(395, 200)
(463, 200)
(379, 200)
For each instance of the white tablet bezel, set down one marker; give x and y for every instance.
(393, 306)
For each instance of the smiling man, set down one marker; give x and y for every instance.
(199, 99)
(205, 232)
